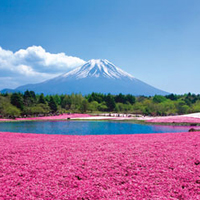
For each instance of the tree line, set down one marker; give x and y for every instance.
(31, 104)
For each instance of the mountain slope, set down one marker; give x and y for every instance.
(96, 69)
(94, 76)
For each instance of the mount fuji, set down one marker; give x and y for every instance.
(99, 76)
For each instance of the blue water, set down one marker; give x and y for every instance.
(86, 127)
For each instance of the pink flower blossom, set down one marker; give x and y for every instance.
(56, 117)
(174, 119)
(153, 166)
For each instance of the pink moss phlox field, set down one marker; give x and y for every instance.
(153, 166)
(57, 117)
(174, 119)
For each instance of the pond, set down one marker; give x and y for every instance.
(87, 127)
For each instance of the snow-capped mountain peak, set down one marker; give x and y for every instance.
(100, 76)
(98, 68)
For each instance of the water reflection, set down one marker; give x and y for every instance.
(87, 127)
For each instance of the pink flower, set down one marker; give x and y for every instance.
(153, 166)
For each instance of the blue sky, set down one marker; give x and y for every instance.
(156, 41)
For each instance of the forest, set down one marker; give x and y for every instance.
(14, 105)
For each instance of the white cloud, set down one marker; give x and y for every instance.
(33, 65)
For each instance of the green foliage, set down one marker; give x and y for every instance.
(93, 106)
(102, 106)
(52, 104)
(125, 99)
(120, 98)
(29, 103)
(166, 108)
(95, 97)
(119, 107)
(196, 107)
(72, 102)
(159, 99)
(110, 102)
(84, 106)
(66, 102)
(37, 109)
(172, 97)
(130, 99)
(12, 111)
(7, 109)
(29, 98)
(190, 99)
(17, 100)
(57, 99)
(42, 99)
(181, 107)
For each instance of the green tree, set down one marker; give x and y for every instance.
(130, 98)
(84, 106)
(181, 107)
(42, 99)
(196, 107)
(66, 102)
(119, 107)
(165, 108)
(102, 106)
(52, 104)
(93, 106)
(159, 99)
(7, 109)
(57, 99)
(95, 97)
(120, 98)
(29, 98)
(12, 111)
(17, 100)
(172, 97)
(110, 102)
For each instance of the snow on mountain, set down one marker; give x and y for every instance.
(99, 76)
(97, 68)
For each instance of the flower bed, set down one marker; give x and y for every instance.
(175, 119)
(56, 117)
(154, 166)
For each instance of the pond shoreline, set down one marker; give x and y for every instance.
(192, 120)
